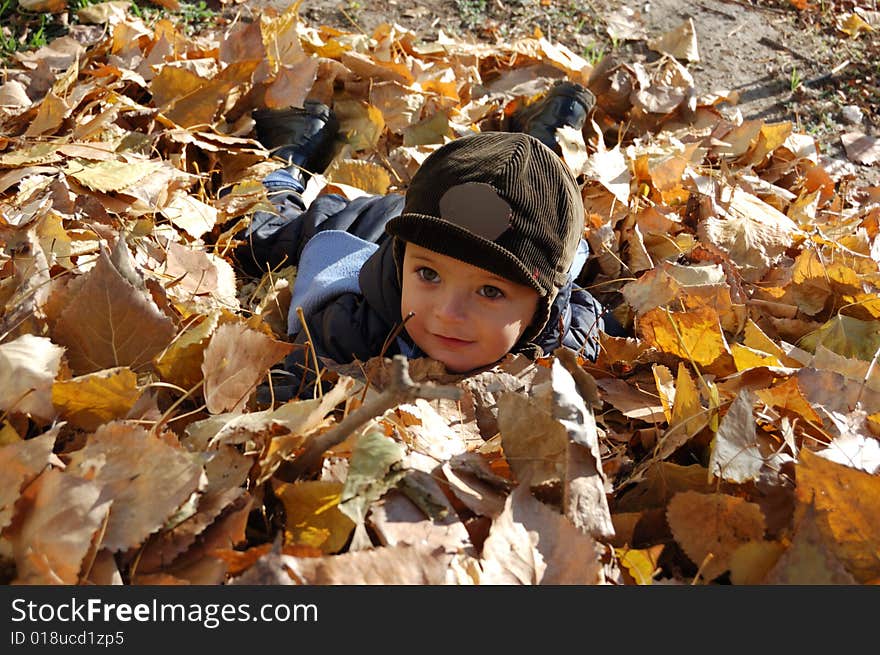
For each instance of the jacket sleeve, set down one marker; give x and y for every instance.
(343, 330)
(587, 320)
(276, 238)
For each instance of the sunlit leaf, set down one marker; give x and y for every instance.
(95, 398)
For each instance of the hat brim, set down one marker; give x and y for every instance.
(454, 241)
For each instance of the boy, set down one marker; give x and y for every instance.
(477, 261)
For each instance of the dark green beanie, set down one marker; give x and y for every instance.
(501, 201)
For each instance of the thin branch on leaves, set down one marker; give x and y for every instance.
(401, 389)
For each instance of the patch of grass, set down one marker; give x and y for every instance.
(22, 30)
(472, 12)
(795, 79)
(594, 53)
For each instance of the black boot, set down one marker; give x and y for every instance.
(566, 103)
(302, 136)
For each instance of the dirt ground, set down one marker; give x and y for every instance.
(784, 64)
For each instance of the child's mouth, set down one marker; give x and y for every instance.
(451, 342)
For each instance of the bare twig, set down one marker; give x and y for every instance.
(401, 390)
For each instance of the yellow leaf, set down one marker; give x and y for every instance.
(434, 129)
(746, 358)
(750, 563)
(692, 335)
(364, 175)
(847, 503)
(181, 362)
(687, 409)
(111, 175)
(281, 37)
(90, 400)
(313, 515)
(640, 563)
(854, 25)
(755, 338)
(360, 123)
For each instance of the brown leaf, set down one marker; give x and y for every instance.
(861, 148)
(61, 514)
(750, 230)
(396, 520)
(391, 565)
(108, 322)
(809, 559)
(530, 544)
(146, 479)
(710, 527)
(474, 484)
(20, 463)
(662, 481)
(847, 503)
(236, 359)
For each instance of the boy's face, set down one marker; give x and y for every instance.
(464, 316)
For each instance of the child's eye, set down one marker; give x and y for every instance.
(427, 274)
(491, 292)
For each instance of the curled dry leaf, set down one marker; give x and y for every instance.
(735, 453)
(397, 520)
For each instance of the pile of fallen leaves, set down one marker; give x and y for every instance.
(731, 438)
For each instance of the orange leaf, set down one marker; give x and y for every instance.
(710, 527)
(848, 503)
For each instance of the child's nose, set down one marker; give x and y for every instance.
(453, 306)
